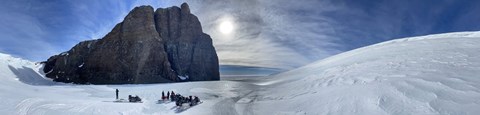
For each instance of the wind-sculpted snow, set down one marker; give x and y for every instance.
(436, 74)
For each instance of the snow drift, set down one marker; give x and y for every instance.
(435, 74)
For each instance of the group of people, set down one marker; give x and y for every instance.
(168, 95)
(179, 99)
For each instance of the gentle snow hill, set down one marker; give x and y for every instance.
(434, 74)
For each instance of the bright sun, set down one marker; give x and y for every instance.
(226, 27)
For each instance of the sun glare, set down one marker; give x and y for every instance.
(226, 27)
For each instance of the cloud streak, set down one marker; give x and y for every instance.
(36, 30)
(286, 34)
(280, 34)
(270, 33)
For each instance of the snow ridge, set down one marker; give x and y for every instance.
(434, 74)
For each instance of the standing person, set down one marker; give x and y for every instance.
(163, 95)
(172, 95)
(116, 92)
(168, 94)
(130, 98)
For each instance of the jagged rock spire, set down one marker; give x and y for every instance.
(166, 45)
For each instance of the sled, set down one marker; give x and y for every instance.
(185, 106)
(165, 101)
(125, 101)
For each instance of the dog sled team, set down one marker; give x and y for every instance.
(179, 99)
(170, 97)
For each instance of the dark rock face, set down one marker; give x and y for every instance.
(167, 45)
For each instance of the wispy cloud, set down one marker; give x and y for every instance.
(36, 30)
(21, 33)
(268, 33)
(287, 34)
(275, 34)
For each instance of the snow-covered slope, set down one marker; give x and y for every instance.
(435, 74)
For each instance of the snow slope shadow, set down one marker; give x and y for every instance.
(29, 76)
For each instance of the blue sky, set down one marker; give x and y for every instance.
(281, 34)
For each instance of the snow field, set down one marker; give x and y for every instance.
(434, 74)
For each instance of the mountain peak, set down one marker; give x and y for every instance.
(147, 47)
(185, 8)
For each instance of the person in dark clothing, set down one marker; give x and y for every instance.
(178, 100)
(196, 99)
(177, 103)
(163, 95)
(130, 98)
(168, 94)
(137, 99)
(116, 92)
(172, 96)
(190, 100)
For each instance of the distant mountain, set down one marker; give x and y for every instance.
(238, 70)
(167, 45)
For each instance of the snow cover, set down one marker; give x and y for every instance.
(435, 74)
(81, 65)
(183, 77)
(24, 91)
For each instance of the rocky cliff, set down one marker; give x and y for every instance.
(166, 45)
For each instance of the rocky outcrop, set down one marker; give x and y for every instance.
(167, 45)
